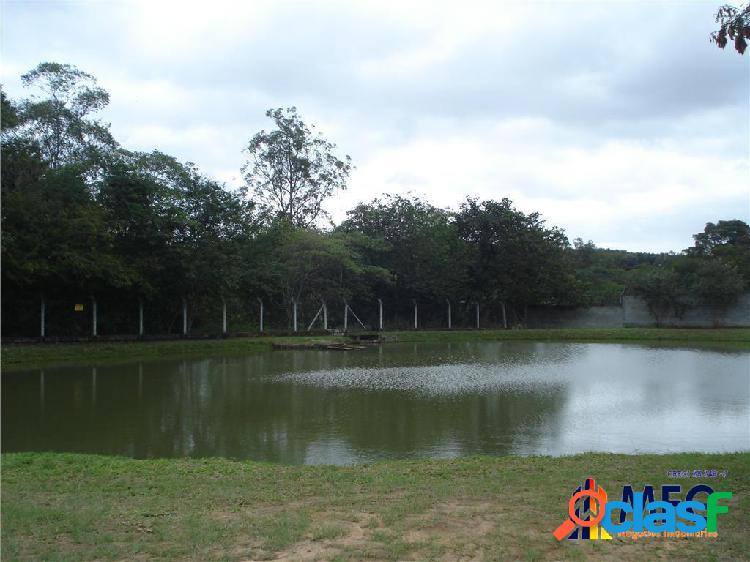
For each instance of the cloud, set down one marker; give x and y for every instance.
(618, 120)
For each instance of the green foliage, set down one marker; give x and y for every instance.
(55, 237)
(603, 275)
(58, 115)
(728, 241)
(293, 171)
(516, 258)
(660, 287)
(416, 242)
(8, 112)
(710, 281)
(687, 281)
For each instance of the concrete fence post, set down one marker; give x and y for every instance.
(380, 314)
(477, 305)
(140, 317)
(43, 311)
(94, 330)
(449, 313)
(223, 317)
(294, 314)
(260, 302)
(415, 314)
(184, 317)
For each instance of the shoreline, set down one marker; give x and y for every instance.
(16, 357)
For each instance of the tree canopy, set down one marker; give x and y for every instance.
(58, 115)
(292, 170)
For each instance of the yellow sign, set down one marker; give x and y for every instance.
(78, 308)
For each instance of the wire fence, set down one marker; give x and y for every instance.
(110, 316)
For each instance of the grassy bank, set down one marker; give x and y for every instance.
(27, 356)
(77, 507)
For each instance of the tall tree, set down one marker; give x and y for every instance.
(292, 170)
(58, 115)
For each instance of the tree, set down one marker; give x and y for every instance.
(684, 281)
(417, 242)
(712, 282)
(56, 238)
(734, 24)
(189, 227)
(58, 115)
(662, 289)
(313, 264)
(8, 113)
(728, 241)
(516, 257)
(292, 170)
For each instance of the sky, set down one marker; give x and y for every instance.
(616, 120)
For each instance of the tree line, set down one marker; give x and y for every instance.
(86, 219)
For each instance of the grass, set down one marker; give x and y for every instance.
(28, 356)
(80, 507)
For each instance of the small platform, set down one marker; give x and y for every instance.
(332, 346)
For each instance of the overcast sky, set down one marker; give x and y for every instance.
(617, 121)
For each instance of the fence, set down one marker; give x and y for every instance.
(118, 317)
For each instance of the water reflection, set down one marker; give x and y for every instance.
(437, 400)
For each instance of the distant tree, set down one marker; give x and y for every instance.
(417, 242)
(713, 282)
(670, 288)
(292, 170)
(728, 241)
(516, 257)
(662, 289)
(58, 115)
(734, 25)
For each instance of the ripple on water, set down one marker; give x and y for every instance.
(435, 380)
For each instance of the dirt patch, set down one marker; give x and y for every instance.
(446, 524)
(451, 521)
(308, 550)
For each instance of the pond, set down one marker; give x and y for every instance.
(390, 401)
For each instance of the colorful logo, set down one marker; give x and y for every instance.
(638, 514)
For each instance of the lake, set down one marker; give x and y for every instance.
(389, 401)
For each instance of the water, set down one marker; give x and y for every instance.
(394, 401)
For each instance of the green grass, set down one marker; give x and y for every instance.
(28, 356)
(80, 507)
(678, 335)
